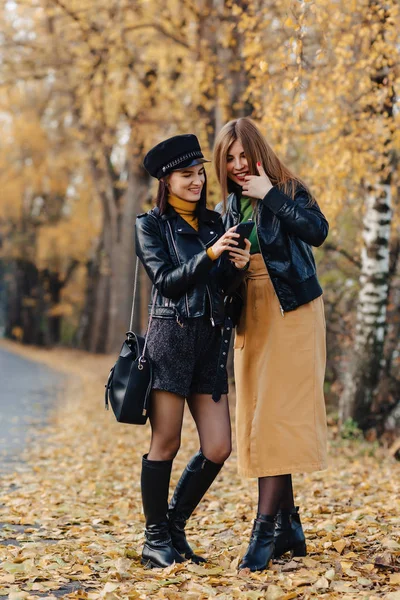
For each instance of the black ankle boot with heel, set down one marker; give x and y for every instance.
(261, 547)
(158, 550)
(193, 484)
(289, 535)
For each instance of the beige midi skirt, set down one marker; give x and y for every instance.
(279, 374)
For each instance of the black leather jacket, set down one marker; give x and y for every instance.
(286, 230)
(174, 255)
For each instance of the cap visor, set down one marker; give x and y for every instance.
(191, 163)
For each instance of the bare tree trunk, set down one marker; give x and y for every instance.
(231, 61)
(392, 421)
(225, 62)
(110, 294)
(83, 336)
(125, 257)
(97, 323)
(207, 55)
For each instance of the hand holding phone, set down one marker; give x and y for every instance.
(244, 229)
(233, 239)
(240, 254)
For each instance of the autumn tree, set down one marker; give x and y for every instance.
(44, 237)
(320, 79)
(363, 376)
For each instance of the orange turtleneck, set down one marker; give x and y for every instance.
(187, 210)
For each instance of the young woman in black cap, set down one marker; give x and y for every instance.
(192, 263)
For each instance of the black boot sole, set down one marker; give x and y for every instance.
(149, 564)
(297, 550)
(190, 555)
(197, 559)
(255, 569)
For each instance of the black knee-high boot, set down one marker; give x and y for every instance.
(261, 546)
(158, 550)
(193, 484)
(289, 535)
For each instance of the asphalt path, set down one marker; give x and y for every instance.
(28, 390)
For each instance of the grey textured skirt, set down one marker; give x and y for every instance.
(185, 358)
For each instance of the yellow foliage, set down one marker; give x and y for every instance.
(63, 309)
(307, 72)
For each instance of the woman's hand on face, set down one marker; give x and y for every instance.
(257, 186)
(240, 257)
(226, 242)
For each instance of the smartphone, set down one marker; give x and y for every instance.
(244, 229)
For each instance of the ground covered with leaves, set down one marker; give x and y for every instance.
(71, 521)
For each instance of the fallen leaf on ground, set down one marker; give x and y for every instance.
(74, 516)
(339, 545)
(274, 592)
(386, 561)
(321, 584)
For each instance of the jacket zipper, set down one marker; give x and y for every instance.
(208, 289)
(211, 306)
(256, 220)
(179, 261)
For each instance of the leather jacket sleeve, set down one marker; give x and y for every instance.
(171, 281)
(300, 216)
(228, 276)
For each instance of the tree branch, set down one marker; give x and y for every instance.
(160, 29)
(69, 272)
(334, 248)
(75, 17)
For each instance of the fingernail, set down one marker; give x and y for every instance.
(259, 164)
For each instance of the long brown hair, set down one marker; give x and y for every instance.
(256, 149)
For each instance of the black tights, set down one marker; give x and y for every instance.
(274, 494)
(211, 418)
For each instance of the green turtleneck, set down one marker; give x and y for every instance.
(246, 213)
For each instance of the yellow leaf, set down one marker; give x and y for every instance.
(289, 22)
(274, 592)
(321, 584)
(394, 579)
(339, 546)
(391, 544)
(330, 574)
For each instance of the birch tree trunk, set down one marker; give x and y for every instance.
(362, 378)
(390, 416)
(368, 361)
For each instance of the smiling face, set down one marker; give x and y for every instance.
(187, 183)
(236, 163)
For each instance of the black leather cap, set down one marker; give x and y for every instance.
(173, 154)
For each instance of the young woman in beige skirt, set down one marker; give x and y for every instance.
(280, 350)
